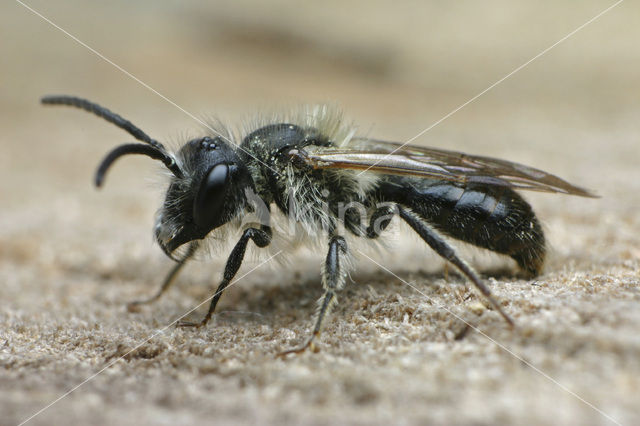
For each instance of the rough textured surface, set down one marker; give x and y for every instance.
(71, 257)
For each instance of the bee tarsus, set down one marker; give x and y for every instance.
(168, 281)
(261, 238)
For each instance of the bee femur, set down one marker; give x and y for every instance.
(154, 149)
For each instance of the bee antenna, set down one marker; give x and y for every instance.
(103, 112)
(136, 148)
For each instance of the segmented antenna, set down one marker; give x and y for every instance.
(134, 148)
(154, 149)
(102, 112)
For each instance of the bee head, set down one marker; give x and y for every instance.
(207, 186)
(209, 193)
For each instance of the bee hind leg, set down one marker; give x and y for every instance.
(334, 273)
(437, 243)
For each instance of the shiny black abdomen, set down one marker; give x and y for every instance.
(488, 216)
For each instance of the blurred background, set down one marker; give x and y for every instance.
(396, 68)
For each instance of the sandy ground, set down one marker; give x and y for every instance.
(71, 256)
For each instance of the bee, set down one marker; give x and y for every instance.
(312, 168)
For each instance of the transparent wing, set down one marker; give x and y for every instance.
(372, 155)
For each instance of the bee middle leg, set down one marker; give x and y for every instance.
(261, 237)
(334, 274)
(380, 220)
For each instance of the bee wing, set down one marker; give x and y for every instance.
(394, 158)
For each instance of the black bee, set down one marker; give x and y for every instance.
(313, 168)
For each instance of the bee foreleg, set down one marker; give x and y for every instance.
(334, 273)
(437, 243)
(261, 237)
(168, 281)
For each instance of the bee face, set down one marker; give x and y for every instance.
(207, 196)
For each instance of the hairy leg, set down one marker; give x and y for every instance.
(437, 243)
(334, 274)
(261, 237)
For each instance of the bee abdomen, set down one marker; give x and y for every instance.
(488, 216)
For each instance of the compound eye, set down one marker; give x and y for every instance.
(211, 195)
